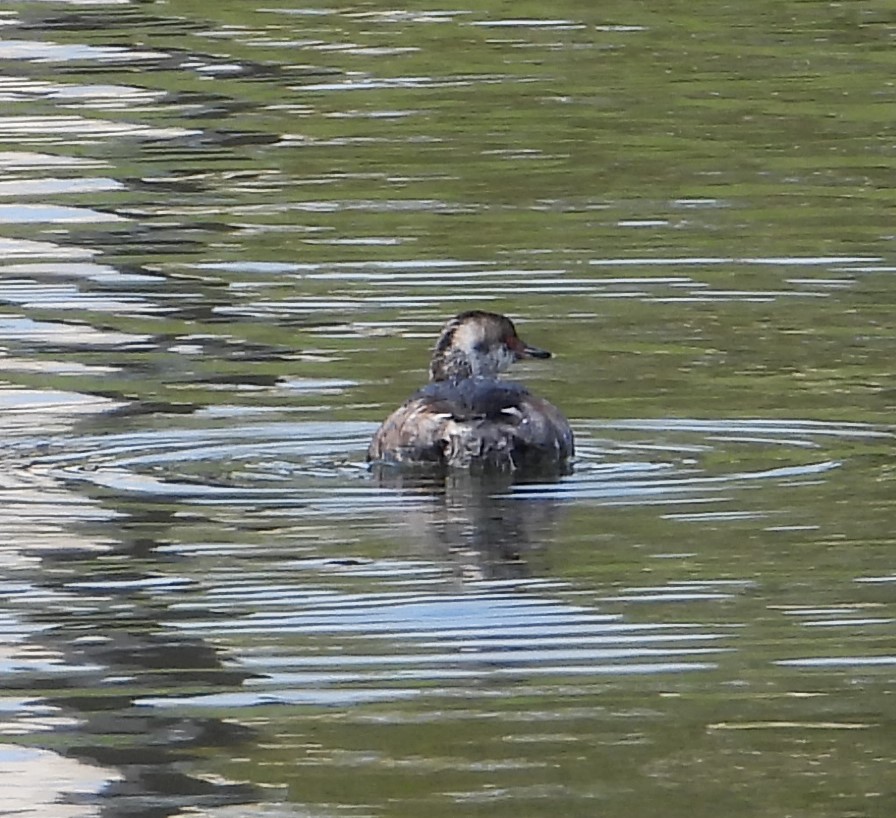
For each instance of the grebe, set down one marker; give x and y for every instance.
(467, 418)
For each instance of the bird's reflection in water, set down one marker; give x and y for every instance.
(476, 521)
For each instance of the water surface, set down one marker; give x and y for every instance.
(229, 235)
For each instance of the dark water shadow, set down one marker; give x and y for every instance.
(89, 665)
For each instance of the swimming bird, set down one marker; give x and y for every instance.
(465, 417)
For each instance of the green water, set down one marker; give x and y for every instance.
(229, 235)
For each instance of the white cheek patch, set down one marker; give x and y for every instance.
(464, 338)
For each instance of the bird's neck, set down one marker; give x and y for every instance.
(451, 365)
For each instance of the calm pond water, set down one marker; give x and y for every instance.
(229, 233)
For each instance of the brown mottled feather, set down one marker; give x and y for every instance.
(532, 433)
(412, 433)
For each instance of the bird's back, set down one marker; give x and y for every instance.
(475, 422)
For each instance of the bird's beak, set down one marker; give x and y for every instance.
(524, 350)
(534, 352)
